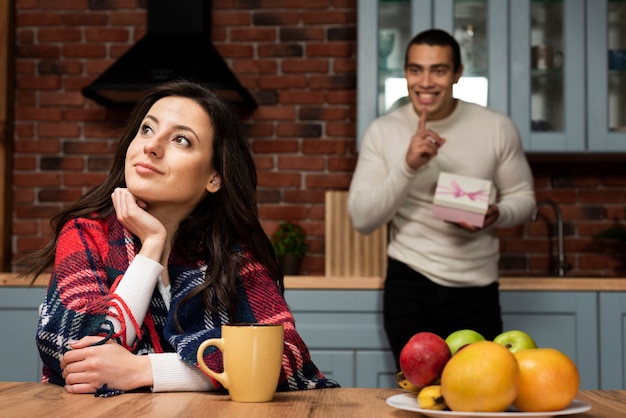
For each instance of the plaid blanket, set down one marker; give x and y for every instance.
(92, 256)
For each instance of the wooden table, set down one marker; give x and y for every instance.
(46, 400)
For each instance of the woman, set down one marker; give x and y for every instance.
(156, 259)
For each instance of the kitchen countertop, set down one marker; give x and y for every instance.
(615, 284)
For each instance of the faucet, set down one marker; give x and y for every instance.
(562, 265)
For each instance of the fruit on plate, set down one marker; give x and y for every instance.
(404, 383)
(515, 340)
(423, 358)
(430, 397)
(482, 377)
(549, 380)
(461, 338)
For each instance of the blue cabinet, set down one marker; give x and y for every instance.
(613, 341)
(567, 321)
(19, 312)
(344, 332)
(346, 326)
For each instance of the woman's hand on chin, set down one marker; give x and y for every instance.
(133, 215)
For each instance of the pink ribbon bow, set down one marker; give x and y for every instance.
(455, 190)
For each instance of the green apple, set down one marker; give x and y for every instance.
(515, 340)
(461, 338)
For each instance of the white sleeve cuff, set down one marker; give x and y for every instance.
(171, 374)
(136, 289)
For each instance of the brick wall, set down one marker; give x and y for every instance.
(298, 58)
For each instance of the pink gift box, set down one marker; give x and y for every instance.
(462, 199)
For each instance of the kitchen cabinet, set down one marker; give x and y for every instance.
(19, 312)
(545, 63)
(346, 326)
(343, 329)
(612, 340)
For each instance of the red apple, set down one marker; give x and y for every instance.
(423, 358)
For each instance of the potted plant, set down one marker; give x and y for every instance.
(289, 242)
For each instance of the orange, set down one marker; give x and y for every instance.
(549, 380)
(480, 377)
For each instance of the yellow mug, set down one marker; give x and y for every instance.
(252, 355)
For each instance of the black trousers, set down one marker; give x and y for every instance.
(412, 303)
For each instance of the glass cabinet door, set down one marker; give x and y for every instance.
(606, 45)
(385, 27)
(547, 71)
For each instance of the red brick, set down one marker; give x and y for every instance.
(37, 19)
(36, 179)
(283, 82)
(301, 97)
(83, 179)
(85, 19)
(62, 99)
(87, 147)
(328, 181)
(37, 51)
(131, 18)
(254, 66)
(341, 97)
(64, 4)
(37, 147)
(32, 113)
(59, 35)
(279, 179)
(341, 164)
(274, 146)
(107, 35)
(235, 51)
(330, 49)
(84, 51)
(301, 163)
(263, 163)
(231, 18)
(304, 196)
(252, 34)
(347, 130)
(328, 17)
(306, 66)
(275, 113)
(56, 130)
(323, 147)
(24, 163)
(46, 82)
(293, 213)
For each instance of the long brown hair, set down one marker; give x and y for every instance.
(220, 223)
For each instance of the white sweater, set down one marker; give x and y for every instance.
(480, 143)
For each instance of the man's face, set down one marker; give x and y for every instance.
(430, 76)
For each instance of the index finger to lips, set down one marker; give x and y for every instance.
(421, 125)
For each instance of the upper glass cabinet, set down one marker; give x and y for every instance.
(556, 67)
(548, 66)
(606, 75)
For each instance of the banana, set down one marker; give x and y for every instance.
(404, 383)
(430, 397)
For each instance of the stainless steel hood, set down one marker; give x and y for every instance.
(177, 45)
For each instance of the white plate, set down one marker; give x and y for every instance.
(408, 402)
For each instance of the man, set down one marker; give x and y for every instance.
(441, 277)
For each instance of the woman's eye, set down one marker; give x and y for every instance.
(182, 140)
(145, 129)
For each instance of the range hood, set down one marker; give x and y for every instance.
(177, 45)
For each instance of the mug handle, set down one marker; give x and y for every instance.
(219, 343)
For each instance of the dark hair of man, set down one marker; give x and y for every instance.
(436, 37)
(218, 225)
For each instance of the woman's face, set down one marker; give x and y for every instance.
(169, 160)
